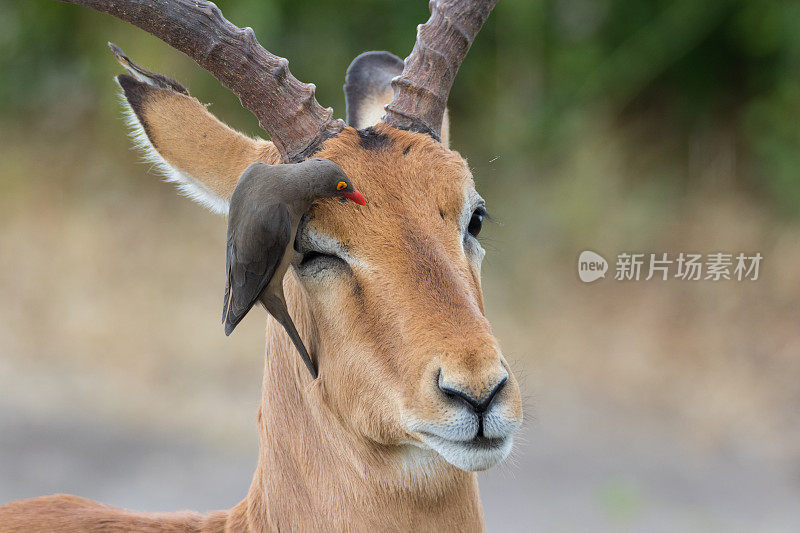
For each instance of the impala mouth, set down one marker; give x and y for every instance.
(483, 443)
(478, 453)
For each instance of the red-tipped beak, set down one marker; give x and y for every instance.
(356, 196)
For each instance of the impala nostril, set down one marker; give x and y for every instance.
(478, 403)
(497, 388)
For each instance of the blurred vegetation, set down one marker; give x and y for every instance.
(676, 78)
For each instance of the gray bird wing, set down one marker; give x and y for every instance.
(257, 240)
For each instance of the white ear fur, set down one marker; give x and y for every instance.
(445, 133)
(372, 108)
(185, 183)
(372, 111)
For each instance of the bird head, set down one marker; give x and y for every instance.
(331, 181)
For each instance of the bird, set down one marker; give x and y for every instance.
(266, 207)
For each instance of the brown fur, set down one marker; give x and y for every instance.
(193, 140)
(335, 453)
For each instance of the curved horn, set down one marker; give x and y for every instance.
(421, 91)
(285, 107)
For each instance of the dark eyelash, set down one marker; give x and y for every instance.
(313, 254)
(316, 263)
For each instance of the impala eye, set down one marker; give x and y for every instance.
(476, 222)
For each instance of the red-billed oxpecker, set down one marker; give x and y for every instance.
(265, 211)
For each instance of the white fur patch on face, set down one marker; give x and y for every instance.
(185, 183)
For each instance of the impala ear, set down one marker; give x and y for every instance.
(368, 89)
(182, 140)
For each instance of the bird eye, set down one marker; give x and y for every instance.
(341, 185)
(476, 222)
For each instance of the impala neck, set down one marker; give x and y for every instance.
(315, 474)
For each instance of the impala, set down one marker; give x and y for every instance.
(413, 394)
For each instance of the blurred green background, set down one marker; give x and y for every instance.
(538, 77)
(610, 125)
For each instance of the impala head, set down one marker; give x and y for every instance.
(405, 351)
(405, 354)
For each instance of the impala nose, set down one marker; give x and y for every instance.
(476, 398)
